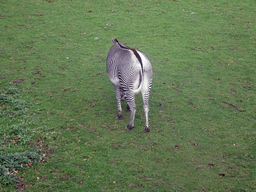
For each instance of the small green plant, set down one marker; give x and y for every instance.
(12, 163)
(10, 105)
(15, 135)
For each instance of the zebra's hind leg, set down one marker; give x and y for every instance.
(122, 95)
(128, 107)
(146, 110)
(132, 106)
(118, 99)
(123, 98)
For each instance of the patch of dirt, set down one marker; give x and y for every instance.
(40, 14)
(195, 144)
(210, 166)
(21, 187)
(65, 178)
(175, 89)
(134, 185)
(117, 145)
(232, 91)
(232, 167)
(222, 174)
(160, 105)
(145, 178)
(192, 105)
(46, 151)
(234, 107)
(18, 81)
(67, 90)
(2, 77)
(38, 72)
(172, 121)
(69, 128)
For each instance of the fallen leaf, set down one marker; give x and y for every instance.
(210, 166)
(222, 174)
(232, 91)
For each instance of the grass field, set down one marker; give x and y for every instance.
(58, 126)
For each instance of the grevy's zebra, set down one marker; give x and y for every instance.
(130, 72)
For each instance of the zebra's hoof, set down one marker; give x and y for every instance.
(119, 116)
(147, 130)
(129, 127)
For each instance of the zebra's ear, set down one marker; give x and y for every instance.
(114, 40)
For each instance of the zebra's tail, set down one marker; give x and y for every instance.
(141, 79)
(137, 55)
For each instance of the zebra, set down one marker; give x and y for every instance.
(130, 72)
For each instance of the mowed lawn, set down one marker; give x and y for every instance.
(58, 123)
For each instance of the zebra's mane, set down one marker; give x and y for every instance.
(129, 48)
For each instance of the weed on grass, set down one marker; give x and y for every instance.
(62, 106)
(15, 137)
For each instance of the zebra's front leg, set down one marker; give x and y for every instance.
(118, 99)
(132, 105)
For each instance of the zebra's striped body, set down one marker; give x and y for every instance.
(130, 72)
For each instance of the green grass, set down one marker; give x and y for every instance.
(56, 97)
